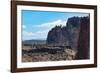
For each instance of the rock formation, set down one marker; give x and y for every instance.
(67, 35)
(57, 36)
(83, 42)
(74, 34)
(73, 28)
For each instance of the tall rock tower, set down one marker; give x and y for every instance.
(83, 42)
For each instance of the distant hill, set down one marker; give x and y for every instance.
(34, 42)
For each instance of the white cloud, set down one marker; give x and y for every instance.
(42, 29)
(50, 25)
(25, 33)
(34, 35)
(23, 26)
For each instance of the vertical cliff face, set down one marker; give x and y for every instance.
(83, 42)
(73, 28)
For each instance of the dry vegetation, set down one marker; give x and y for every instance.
(35, 55)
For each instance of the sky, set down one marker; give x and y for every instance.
(36, 24)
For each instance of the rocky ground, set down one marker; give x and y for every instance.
(67, 54)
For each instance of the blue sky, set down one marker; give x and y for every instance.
(36, 24)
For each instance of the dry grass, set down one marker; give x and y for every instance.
(68, 54)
